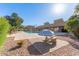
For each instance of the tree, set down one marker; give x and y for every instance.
(72, 25)
(4, 28)
(76, 12)
(14, 19)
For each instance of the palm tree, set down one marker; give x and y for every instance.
(76, 12)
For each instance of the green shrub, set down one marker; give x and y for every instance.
(4, 28)
(72, 25)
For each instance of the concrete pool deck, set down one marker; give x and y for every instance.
(43, 48)
(37, 42)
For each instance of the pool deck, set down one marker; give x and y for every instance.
(65, 46)
(43, 48)
(37, 42)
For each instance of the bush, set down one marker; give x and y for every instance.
(72, 25)
(4, 28)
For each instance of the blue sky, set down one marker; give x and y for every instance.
(37, 13)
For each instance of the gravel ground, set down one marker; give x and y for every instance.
(11, 49)
(70, 50)
(65, 51)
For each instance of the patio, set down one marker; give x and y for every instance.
(36, 46)
(45, 48)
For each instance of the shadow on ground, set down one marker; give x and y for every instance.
(75, 45)
(39, 48)
(73, 41)
(14, 48)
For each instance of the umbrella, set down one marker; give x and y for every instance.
(46, 32)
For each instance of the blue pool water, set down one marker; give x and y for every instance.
(31, 33)
(36, 33)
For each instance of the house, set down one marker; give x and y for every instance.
(29, 28)
(57, 26)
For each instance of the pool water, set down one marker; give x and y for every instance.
(31, 33)
(36, 33)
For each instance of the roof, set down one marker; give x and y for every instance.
(59, 22)
(29, 26)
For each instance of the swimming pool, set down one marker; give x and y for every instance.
(31, 33)
(36, 33)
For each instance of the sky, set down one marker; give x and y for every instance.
(38, 13)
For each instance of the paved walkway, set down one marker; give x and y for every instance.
(63, 44)
(37, 42)
(69, 39)
(69, 50)
(45, 48)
